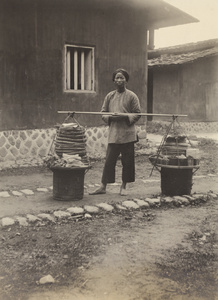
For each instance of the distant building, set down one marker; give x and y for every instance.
(184, 80)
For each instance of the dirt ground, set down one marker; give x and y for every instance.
(161, 253)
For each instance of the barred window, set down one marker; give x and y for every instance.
(79, 68)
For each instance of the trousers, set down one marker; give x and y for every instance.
(128, 162)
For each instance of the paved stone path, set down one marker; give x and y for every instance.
(88, 210)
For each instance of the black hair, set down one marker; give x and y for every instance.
(123, 71)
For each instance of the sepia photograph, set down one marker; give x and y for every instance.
(108, 149)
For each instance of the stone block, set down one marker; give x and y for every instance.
(62, 214)
(212, 195)
(46, 217)
(190, 198)
(42, 190)
(39, 142)
(181, 200)
(43, 136)
(24, 151)
(28, 143)
(4, 194)
(91, 209)
(200, 196)
(16, 193)
(35, 135)
(43, 152)
(3, 152)
(46, 279)
(105, 206)
(99, 134)
(22, 221)
(167, 200)
(2, 141)
(88, 216)
(130, 204)
(7, 221)
(142, 203)
(75, 210)
(14, 151)
(11, 140)
(34, 151)
(120, 207)
(18, 143)
(32, 218)
(23, 135)
(153, 201)
(27, 192)
(15, 134)
(9, 157)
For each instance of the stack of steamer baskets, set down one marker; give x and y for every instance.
(71, 140)
(69, 170)
(176, 160)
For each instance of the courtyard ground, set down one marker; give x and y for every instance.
(145, 254)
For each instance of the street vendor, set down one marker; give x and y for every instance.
(122, 132)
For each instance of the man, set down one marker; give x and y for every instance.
(122, 133)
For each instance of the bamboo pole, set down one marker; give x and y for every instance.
(119, 114)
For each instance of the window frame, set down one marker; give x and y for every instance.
(66, 69)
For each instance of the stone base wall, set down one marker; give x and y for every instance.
(29, 147)
(96, 142)
(18, 145)
(189, 128)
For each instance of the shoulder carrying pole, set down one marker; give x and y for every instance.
(120, 114)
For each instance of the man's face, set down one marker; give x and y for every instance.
(120, 80)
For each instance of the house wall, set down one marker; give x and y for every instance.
(190, 89)
(32, 39)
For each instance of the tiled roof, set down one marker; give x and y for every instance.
(182, 54)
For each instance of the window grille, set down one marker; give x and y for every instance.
(79, 68)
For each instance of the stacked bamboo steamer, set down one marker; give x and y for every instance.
(70, 140)
(175, 145)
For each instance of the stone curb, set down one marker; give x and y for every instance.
(86, 212)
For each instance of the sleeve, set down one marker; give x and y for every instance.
(134, 108)
(105, 108)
